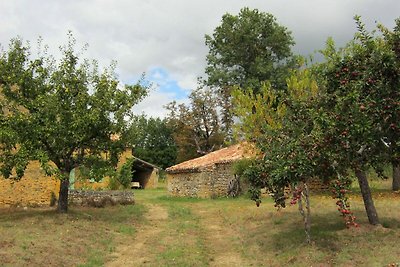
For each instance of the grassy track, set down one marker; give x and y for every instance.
(165, 231)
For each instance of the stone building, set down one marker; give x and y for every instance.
(33, 189)
(37, 189)
(143, 173)
(206, 176)
(146, 174)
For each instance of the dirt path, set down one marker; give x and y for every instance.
(222, 240)
(136, 253)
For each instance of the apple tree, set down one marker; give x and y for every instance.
(61, 112)
(284, 130)
(362, 103)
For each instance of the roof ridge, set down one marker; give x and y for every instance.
(223, 155)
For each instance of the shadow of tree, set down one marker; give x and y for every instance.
(118, 213)
(323, 233)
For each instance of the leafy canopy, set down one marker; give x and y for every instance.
(152, 140)
(248, 49)
(245, 51)
(197, 126)
(64, 111)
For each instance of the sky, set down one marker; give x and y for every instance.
(165, 38)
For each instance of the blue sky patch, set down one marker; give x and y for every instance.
(165, 83)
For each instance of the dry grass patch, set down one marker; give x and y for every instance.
(226, 232)
(168, 231)
(84, 236)
(276, 238)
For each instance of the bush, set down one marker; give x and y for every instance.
(240, 166)
(123, 177)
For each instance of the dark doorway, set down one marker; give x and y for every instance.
(141, 173)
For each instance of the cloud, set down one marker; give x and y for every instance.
(165, 89)
(144, 35)
(166, 84)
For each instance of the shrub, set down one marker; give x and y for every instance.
(123, 177)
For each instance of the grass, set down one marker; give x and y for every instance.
(42, 237)
(265, 237)
(203, 232)
(182, 239)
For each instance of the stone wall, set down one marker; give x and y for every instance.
(127, 154)
(36, 189)
(213, 182)
(100, 198)
(33, 189)
(210, 182)
(152, 181)
(85, 184)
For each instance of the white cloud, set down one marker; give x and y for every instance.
(153, 105)
(142, 35)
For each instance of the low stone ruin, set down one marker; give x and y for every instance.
(100, 198)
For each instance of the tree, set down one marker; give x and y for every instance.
(152, 140)
(62, 113)
(338, 115)
(362, 101)
(244, 51)
(196, 127)
(283, 129)
(388, 77)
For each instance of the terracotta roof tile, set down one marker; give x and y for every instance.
(224, 155)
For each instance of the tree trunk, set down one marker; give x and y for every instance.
(367, 197)
(63, 196)
(307, 213)
(396, 175)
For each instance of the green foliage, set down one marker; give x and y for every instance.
(259, 113)
(240, 166)
(152, 140)
(63, 112)
(362, 98)
(246, 51)
(361, 104)
(197, 126)
(125, 173)
(338, 115)
(123, 177)
(283, 129)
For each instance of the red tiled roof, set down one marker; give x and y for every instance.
(224, 155)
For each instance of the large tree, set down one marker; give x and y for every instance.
(152, 140)
(282, 128)
(197, 126)
(63, 113)
(362, 101)
(244, 51)
(348, 122)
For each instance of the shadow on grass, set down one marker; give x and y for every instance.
(242, 198)
(14, 214)
(323, 233)
(118, 213)
(391, 223)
